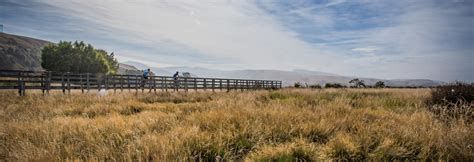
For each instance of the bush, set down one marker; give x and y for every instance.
(315, 86)
(379, 84)
(77, 57)
(334, 85)
(298, 85)
(453, 101)
(452, 93)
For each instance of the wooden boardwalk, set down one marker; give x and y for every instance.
(48, 80)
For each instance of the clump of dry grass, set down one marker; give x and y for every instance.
(283, 125)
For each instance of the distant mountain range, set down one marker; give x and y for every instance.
(24, 53)
(287, 77)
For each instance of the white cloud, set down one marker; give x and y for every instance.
(234, 30)
(334, 2)
(369, 49)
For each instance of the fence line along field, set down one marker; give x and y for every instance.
(286, 125)
(48, 80)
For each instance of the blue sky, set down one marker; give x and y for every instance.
(432, 39)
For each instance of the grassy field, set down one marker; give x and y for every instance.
(284, 125)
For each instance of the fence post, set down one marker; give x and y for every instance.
(62, 83)
(213, 84)
(81, 83)
(251, 84)
(106, 82)
(241, 85)
(195, 84)
(247, 84)
(49, 82)
(150, 84)
(220, 84)
(162, 81)
(114, 82)
(88, 83)
(121, 83)
(128, 83)
(186, 85)
(19, 84)
(236, 85)
(68, 83)
(154, 84)
(165, 80)
(204, 84)
(43, 83)
(99, 84)
(136, 85)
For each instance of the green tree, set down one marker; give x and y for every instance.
(380, 84)
(357, 83)
(77, 57)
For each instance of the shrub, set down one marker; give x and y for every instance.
(298, 85)
(334, 85)
(357, 83)
(453, 101)
(452, 93)
(379, 84)
(77, 57)
(315, 86)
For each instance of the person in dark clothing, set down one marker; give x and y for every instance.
(146, 73)
(176, 80)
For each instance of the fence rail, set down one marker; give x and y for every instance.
(48, 80)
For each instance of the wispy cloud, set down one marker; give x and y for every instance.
(389, 39)
(369, 49)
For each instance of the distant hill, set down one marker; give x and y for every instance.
(156, 71)
(20, 53)
(288, 77)
(128, 69)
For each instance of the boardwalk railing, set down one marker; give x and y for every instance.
(48, 80)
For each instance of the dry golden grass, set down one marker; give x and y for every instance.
(283, 125)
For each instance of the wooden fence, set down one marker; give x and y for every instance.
(48, 80)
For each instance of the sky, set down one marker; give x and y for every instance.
(389, 39)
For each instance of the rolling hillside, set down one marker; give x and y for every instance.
(20, 53)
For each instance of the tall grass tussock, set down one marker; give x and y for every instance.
(281, 125)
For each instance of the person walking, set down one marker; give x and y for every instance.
(176, 80)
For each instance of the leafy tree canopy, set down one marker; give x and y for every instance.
(380, 84)
(77, 57)
(357, 83)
